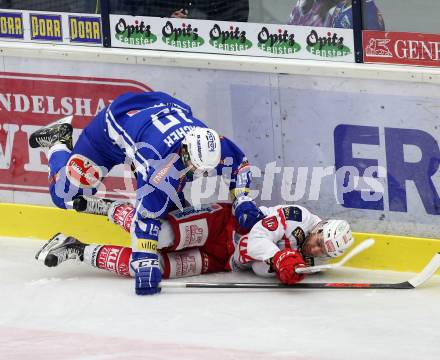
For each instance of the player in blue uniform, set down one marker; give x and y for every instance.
(335, 14)
(343, 16)
(165, 145)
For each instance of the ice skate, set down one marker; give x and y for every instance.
(92, 205)
(59, 249)
(59, 131)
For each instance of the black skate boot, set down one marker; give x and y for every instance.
(59, 249)
(57, 132)
(92, 205)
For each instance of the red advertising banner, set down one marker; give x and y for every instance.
(28, 101)
(401, 48)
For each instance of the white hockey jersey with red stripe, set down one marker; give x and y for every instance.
(283, 227)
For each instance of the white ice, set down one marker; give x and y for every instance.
(77, 312)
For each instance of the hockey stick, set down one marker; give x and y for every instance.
(358, 249)
(412, 283)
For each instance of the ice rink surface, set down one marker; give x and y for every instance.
(77, 312)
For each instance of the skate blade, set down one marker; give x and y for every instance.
(64, 120)
(69, 205)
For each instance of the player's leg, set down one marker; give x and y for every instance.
(183, 229)
(61, 248)
(58, 132)
(209, 228)
(81, 174)
(176, 264)
(197, 227)
(57, 139)
(239, 259)
(72, 171)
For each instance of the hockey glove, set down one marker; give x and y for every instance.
(147, 273)
(285, 262)
(246, 212)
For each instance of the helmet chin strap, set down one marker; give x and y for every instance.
(186, 159)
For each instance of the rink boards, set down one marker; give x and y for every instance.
(397, 253)
(301, 123)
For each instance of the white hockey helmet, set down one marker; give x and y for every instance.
(337, 237)
(204, 148)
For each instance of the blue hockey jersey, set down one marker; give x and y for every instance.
(146, 130)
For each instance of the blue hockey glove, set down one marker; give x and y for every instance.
(147, 273)
(246, 212)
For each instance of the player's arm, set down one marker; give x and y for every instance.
(154, 200)
(145, 259)
(262, 246)
(244, 208)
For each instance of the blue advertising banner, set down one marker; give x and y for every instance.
(85, 29)
(11, 25)
(46, 27)
(50, 27)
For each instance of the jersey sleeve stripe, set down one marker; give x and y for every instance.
(282, 218)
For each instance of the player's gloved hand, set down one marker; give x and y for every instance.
(285, 262)
(121, 213)
(246, 212)
(147, 273)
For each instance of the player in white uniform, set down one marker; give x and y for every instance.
(198, 241)
(289, 237)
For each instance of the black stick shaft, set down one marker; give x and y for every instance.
(403, 285)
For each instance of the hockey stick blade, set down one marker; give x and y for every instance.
(427, 272)
(417, 280)
(358, 249)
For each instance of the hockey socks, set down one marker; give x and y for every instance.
(109, 257)
(175, 264)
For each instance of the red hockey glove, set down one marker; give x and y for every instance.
(285, 262)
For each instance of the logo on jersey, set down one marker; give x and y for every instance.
(83, 172)
(293, 213)
(270, 223)
(161, 174)
(299, 235)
